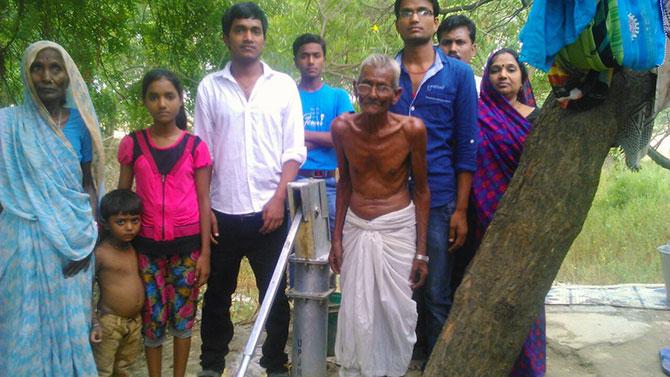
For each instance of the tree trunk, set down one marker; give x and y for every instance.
(537, 220)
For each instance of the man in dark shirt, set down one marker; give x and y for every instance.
(441, 91)
(456, 36)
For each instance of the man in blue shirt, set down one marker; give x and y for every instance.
(441, 91)
(321, 104)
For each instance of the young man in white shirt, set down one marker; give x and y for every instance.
(251, 118)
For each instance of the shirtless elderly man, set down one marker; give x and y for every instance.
(379, 242)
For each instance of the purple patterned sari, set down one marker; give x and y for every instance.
(503, 134)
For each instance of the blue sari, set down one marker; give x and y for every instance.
(46, 223)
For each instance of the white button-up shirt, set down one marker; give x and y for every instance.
(251, 139)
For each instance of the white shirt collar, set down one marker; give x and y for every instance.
(225, 73)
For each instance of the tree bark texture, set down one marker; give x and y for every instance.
(538, 218)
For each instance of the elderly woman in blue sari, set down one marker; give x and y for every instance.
(47, 224)
(506, 112)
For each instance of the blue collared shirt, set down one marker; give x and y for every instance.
(446, 101)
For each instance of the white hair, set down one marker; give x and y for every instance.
(381, 61)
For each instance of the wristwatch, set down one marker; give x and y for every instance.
(420, 257)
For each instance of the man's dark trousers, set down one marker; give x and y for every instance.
(238, 238)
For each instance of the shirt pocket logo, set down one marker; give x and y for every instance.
(438, 94)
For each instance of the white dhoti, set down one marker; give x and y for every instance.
(377, 319)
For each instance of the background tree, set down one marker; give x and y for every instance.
(115, 41)
(538, 218)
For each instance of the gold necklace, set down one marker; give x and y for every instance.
(60, 113)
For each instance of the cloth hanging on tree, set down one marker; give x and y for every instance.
(552, 25)
(582, 72)
(636, 33)
(634, 28)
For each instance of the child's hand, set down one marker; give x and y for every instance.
(202, 269)
(96, 333)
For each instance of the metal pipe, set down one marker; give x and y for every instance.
(310, 293)
(310, 333)
(278, 274)
(310, 287)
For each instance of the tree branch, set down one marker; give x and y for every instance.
(15, 34)
(21, 7)
(468, 7)
(506, 19)
(108, 78)
(660, 140)
(658, 158)
(324, 18)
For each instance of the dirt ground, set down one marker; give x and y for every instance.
(583, 341)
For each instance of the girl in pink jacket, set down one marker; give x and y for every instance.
(172, 170)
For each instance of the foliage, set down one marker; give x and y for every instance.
(624, 226)
(115, 41)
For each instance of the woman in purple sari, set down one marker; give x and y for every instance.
(506, 111)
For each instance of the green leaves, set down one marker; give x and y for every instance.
(114, 42)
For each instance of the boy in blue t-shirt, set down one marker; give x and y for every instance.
(321, 104)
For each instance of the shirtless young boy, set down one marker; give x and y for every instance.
(116, 331)
(379, 242)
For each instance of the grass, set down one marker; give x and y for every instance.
(245, 299)
(628, 220)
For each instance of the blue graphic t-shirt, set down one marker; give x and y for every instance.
(319, 109)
